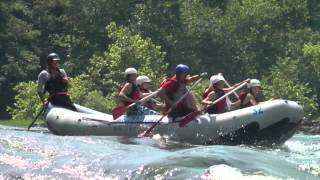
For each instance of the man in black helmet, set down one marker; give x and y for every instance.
(54, 81)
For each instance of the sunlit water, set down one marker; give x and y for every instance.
(38, 154)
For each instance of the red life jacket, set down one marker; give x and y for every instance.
(242, 97)
(175, 83)
(206, 93)
(134, 94)
(219, 107)
(172, 91)
(170, 95)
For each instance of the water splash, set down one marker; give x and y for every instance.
(41, 155)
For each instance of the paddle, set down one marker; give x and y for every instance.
(168, 111)
(235, 93)
(191, 116)
(119, 111)
(34, 120)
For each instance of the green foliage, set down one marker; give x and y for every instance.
(198, 90)
(311, 67)
(312, 55)
(97, 101)
(82, 92)
(128, 50)
(240, 38)
(283, 82)
(79, 88)
(27, 103)
(19, 122)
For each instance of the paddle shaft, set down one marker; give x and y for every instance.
(192, 115)
(119, 111)
(144, 99)
(169, 110)
(34, 120)
(227, 94)
(235, 93)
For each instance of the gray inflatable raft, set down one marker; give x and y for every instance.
(272, 122)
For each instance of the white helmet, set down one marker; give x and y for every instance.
(216, 78)
(130, 71)
(254, 83)
(142, 79)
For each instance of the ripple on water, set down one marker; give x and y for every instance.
(222, 171)
(38, 155)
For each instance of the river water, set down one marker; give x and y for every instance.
(38, 154)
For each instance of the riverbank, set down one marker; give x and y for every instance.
(310, 126)
(19, 122)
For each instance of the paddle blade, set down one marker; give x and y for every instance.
(188, 118)
(119, 111)
(147, 132)
(143, 134)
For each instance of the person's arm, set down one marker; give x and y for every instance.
(235, 105)
(40, 86)
(64, 76)
(145, 94)
(250, 98)
(196, 77)
(208, 99)
(226, 90)
(193, 78)
(126, 90)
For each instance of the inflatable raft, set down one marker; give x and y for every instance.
(272, 122)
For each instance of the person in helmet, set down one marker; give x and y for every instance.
(174, 88)
(129, 92)
(143, 83)
(216, 90)
(250, 97)
(54, 81)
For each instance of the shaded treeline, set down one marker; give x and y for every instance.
(276, 41)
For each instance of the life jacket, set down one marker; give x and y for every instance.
(218, 107)
(149, 104)
(134, 94)
(177, 91)
(206, 93)
(176, 85)
(56, 85)
(242, 97)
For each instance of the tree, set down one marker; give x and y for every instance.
(284, 82)
(127, 50)
(18, 55)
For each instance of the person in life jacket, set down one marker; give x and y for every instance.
(54, 81)
(216, 90)
(129, 92)
(174, 88)
(143, 83)
(250, 97)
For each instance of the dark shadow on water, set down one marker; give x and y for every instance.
(161, 143)
(34, 130)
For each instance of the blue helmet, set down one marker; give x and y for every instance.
(182, 68)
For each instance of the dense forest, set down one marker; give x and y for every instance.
(276, 41)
